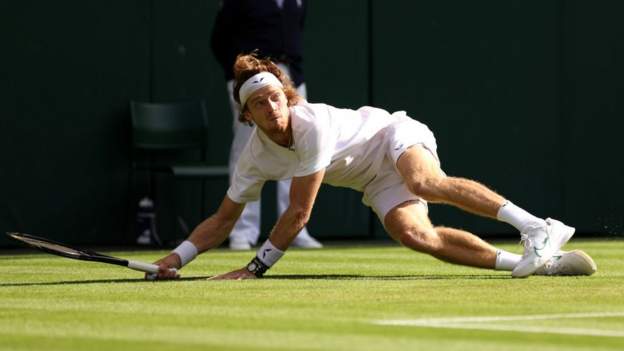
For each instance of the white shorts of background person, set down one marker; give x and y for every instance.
(247, 230)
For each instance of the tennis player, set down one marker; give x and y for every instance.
(389, 157)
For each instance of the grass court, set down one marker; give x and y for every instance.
(339, 298)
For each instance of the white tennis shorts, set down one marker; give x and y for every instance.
(388, 190)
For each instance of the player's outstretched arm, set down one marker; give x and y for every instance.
(303, 191)
(215, 229)
(207, 235)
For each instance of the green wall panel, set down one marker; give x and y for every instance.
(483, 76)
(592, 114)
(68, 71)
(183, 67)
(522, 95)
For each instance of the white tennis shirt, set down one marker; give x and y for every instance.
(348, 144)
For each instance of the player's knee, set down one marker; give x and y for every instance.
(421, 239)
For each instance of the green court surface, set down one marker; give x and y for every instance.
(339, 298)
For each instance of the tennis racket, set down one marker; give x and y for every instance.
(63, 250)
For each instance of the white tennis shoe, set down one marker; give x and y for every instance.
(541, 243)
(575, 262)
(306, 242)
(239, 243)
(302, 242)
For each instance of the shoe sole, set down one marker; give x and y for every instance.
(239, 247)
(525, 270)
(584, 260)
(307, 243)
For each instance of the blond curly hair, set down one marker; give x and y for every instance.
(248, 65)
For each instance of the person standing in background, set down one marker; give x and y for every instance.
(271, 28)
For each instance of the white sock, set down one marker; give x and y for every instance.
(506, 261)
(517, 217)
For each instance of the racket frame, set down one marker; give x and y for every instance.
(81, 254)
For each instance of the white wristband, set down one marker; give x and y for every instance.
(269, 254)
(187, 252)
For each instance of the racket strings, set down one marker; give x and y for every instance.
(52, 246)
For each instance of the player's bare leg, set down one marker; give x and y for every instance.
(542, 238)
(409, 224)
(423, 176)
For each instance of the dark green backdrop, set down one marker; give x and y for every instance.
(522, 95)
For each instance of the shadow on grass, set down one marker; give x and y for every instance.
(100, 281)
(386, 277)
(284, 277)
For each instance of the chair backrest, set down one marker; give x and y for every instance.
(162, 126)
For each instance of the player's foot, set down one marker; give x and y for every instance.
(144, 239)
(575, 262)
(306, 242)
(541, 242)
(239, 243)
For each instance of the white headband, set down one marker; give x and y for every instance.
(256, 82)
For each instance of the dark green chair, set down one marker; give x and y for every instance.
(163, 130)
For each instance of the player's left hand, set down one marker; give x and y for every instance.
(238, 274)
